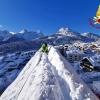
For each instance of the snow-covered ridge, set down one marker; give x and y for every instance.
(48, 77)
(78, 89)
(70, 33)
(24, 34)
(29, 35)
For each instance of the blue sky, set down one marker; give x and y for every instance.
(47, 15)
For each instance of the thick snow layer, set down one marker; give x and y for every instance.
(77, 88)
(48, 77)
(36, 81)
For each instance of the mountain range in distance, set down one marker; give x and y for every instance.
(29, 40)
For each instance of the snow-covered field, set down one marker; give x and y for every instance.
(48, 77)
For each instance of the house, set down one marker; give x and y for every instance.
(91, 63)
(81, 45)
(86, 64)
(74, 55)
(62, 48)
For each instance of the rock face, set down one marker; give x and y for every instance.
(48, 77)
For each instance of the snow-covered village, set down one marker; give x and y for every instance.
(62, 66)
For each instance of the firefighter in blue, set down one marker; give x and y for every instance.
(45, 48)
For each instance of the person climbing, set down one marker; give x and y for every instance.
(45, 48)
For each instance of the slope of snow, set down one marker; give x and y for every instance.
(48, 77)
(35, 81)
(77, 88)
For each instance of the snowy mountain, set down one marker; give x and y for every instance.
(91, 35)
(22, 39)
(12, 38)
(65, 35)
(74, 35)
(4, 34)
(24, 35)
(29, 35)
(45, 79)
(68, 32)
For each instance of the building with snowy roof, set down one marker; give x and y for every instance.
(91, 63)
(74, 55)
